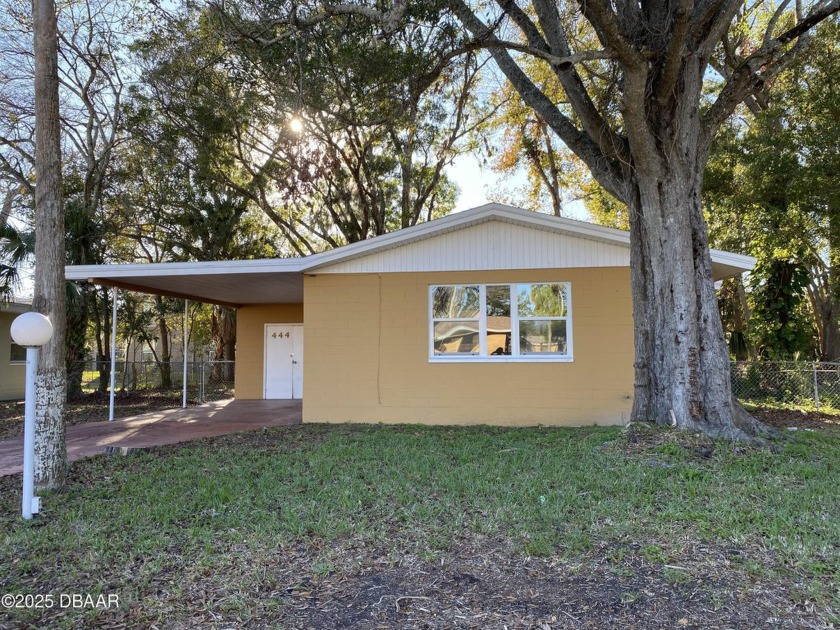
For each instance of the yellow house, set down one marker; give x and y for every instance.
(12, 356)
(494, 315)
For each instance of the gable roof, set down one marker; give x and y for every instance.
(240, 282)
(737, 263)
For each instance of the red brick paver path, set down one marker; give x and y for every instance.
(163, 427)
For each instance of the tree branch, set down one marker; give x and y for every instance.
(610, 32)
(771, 59)
(390, 20)
(669, 71)
(605, 169)
(593, 122)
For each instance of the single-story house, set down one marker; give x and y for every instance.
(12, 356)
(493, 315)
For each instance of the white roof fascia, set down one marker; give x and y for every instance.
(161, 270)
(741, 261)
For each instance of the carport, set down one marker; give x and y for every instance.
(226, 283)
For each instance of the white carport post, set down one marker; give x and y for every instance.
(113, 355)
(186, 332)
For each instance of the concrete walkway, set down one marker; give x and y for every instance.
(163, 427)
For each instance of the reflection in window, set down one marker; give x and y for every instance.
(536, 336)
(455, 302)
(455, 316)
(497, 310)
(541, 300)
(456, 337)
(501, 320)
(542, 312)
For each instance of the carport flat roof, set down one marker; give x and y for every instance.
(229, 283)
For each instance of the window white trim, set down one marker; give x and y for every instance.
(515, 356)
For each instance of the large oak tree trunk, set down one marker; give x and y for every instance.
(49, 290)
(682, 372)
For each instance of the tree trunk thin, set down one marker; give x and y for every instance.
(49, 290)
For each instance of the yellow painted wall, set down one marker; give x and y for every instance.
(12, 375)
(250, 343)
(367, 339)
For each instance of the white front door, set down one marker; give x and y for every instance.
(283, 361)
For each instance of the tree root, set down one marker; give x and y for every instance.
(743, 428)
(752, 426)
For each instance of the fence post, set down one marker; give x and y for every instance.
(816, 388)
(201, 384)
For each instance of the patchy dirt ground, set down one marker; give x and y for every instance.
(785, 418)
(90, 408)
(484, 585)
(479, 584)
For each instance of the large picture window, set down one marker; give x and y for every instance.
(500, 322)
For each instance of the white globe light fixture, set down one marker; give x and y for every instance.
(30, 330)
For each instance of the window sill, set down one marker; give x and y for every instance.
(502, 359)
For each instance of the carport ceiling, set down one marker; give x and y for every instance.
(229, 284)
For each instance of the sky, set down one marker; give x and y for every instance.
(472, 180)
(477, 184)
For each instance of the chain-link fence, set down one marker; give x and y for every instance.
(792, 382)
(207, 381)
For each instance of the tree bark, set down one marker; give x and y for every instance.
(49, 290)
(165, 361)
(682, 373)
(77, 320)
(827, 315)
(826, 303)
(223, 330)
(103, 341)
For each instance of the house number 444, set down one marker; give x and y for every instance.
(275, 335)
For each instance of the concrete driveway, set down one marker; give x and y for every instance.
(164, 427)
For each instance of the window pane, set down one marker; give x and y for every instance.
(457, 301)
(498, 320)
(456, 338)
(498, 300)
(542, 336)
(542, 300)
(18, 353)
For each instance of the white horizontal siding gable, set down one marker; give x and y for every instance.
(491, 244)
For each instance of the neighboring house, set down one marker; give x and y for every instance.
(12, 356)
(494, 315)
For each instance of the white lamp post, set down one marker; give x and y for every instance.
(30, 330)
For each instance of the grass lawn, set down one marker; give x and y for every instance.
(380, 527)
